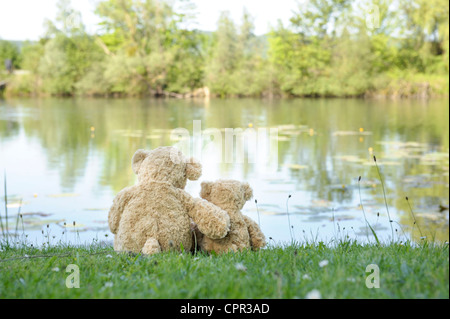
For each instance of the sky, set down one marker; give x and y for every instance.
(24, 19)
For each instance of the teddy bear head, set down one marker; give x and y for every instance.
(227, 194)
(165, 164)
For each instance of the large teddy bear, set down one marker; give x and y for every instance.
(155, 214)
(231, 195)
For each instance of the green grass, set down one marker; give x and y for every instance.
(292, 271)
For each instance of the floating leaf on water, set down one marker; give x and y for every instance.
(341, 187)
(37, 223)
(16, 204)
(271, 213)
(153, 136)
(342, 218)
(322, 203)
(316, 218)
(400, 144)
(40, 214)
(71, 225)
(296, 166)
(351, 133)
(285, 127)
(383, 163)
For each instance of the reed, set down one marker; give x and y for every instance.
(384, 195)
(414, 218)
(364, 213)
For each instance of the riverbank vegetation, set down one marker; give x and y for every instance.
(340, 48)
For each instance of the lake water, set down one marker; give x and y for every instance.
(65, 159)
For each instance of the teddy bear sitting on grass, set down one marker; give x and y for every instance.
(230, 195)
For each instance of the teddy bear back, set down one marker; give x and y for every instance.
(165, 165)
(230, 195)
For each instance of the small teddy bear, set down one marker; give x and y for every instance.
(155, 214)
(231, 195)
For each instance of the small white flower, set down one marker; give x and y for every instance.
(55, 269)
(240, 267)
(313, 294)
(423, 237)
(351, 279)
(109, 284)
(306, 277)
(323, 263)
(196, 258)
(122, 277)
(26, 256)
(108, 256)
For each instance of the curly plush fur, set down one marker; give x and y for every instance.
(155, 214)
(231, 195)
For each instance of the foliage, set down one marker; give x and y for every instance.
(329, 48)
(9, 51)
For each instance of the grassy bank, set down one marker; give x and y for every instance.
(392, 87)
(294, 271)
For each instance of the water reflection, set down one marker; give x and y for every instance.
(69, 157)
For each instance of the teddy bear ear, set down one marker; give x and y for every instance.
(205, 193)
(248, 192)
(193, 169)
(137, 159)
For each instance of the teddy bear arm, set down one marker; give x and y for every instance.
(117, 208)
(211, 220)
(257, 238)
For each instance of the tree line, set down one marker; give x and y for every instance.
(339, 48)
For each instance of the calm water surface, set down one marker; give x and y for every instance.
(65, 159)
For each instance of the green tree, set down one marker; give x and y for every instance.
(9, 50)
(224, 57)
(146, 46)
(68, 52)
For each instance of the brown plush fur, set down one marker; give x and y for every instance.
(244, 233)
(155, 214)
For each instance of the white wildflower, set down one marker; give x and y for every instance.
(109, 284)
(55, 269)
(108, 256)
(240, 267)
(314, 294)
(323, 263)
(306, 277)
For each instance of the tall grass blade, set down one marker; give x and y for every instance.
(257, 210)
(6, 210)
(18, 215)
(384, 195)
(364, 213)
(289, 219)
(414, 218)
